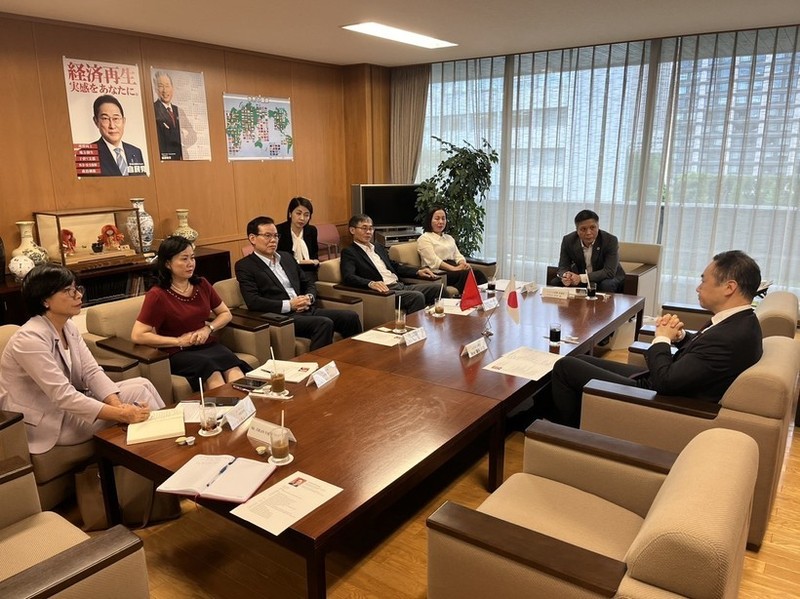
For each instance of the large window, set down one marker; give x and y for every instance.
(691, 142)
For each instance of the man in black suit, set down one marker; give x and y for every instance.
(706, 362)
(168, 122)
(589, 254)
(117, 158)
(365, 264)
(271, 281)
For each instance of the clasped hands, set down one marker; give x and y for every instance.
(670, 326)
(300, 303)
(198, 337)
(570, 279)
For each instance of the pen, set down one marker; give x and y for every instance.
(223, 469)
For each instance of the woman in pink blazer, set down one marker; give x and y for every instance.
(48, 373)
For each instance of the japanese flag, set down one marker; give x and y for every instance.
(512, 299)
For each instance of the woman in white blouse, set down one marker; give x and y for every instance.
(438, 251)
(298, 237)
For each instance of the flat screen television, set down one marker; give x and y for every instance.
(389, 205)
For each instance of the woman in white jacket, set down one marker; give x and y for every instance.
(438, 251)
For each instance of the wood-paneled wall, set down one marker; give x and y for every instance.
(340, 127)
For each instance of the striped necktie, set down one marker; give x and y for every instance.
(123, 166)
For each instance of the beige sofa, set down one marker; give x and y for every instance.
(591, 516)
(759, 402)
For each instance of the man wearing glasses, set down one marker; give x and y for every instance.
(117, 158)
(272, 281)
(367, 264)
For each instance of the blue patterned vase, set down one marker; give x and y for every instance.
(146, 224)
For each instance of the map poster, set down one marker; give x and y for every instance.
(181, 113)
(104, 100)
(258, 128)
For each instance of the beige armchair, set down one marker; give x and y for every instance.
(43, 555)
(285, 343)
(378, 307)
(109, 329)
(759, 403)
(642, 265)
(592, 516)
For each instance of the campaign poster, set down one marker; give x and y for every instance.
(106, 118)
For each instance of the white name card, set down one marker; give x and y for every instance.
(240, 412)
(259, 431)
(490, 303)
(473, 348)
(324, 375)
(414, 336)
(556, 292)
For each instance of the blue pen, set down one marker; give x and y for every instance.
(223, 469)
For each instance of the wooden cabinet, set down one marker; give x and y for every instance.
(116, 282)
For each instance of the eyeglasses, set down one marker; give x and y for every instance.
(269, 236)
(74, 292)
(365, 228)
(110, 119)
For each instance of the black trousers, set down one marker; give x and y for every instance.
(570, 374)
(319, 324)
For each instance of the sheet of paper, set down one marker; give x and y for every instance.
(501, 284)
(286, 502)
(525, 362)
(378, 337)
(294, 372)
(191, 411)
(451, 307)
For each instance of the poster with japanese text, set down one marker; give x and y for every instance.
(106, 118)
(179, 105)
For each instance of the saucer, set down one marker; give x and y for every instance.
(274, 463)
(435, 315)
(211, 433)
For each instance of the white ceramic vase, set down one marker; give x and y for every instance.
(27, 246)
(184, 230)
(146, 224)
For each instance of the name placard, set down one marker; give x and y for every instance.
(530, 288)
(324, 375)
(473, 348)
(414, 335)
(490, 303)
(240, 412)
(556, 292)
(259, 431)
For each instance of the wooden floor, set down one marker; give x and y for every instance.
(203, 555)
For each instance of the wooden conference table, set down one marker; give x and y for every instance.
(392, 418)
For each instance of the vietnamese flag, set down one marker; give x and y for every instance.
(512, 299)
(470, 297)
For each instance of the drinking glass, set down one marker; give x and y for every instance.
(438, 309)
(591, 290)
(209, 426)
(399, 321)
(555, 334)
(279, 446)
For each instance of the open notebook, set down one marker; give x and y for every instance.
(221, 477)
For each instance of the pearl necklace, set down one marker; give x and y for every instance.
(178, 290)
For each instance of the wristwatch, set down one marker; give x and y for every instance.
(210, 326)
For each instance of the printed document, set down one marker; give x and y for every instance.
(525, 362)
(294, 372)
(286, 502)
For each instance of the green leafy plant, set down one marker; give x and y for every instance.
(460, 185)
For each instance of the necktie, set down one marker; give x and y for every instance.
(171, 115)
(123, 166)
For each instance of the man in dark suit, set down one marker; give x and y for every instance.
(117, 159)
(706, 362)
(168, 122)
(271, 281)
(589, 254)
(365, 264)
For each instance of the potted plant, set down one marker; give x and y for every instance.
(459, 186)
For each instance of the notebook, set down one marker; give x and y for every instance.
(220, 477)
(162, 424)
